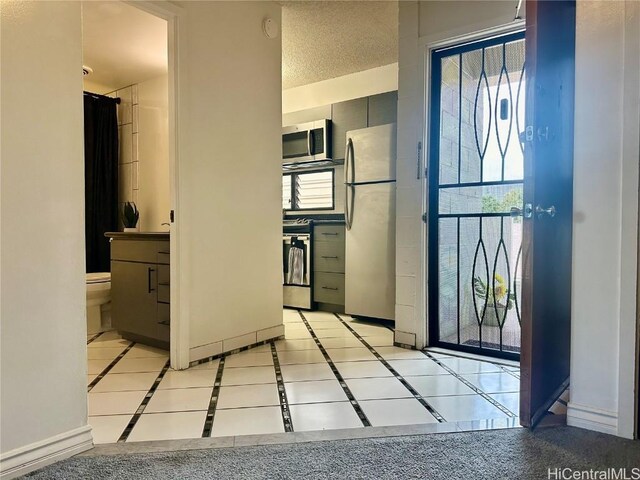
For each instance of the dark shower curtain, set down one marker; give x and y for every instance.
(100, 178)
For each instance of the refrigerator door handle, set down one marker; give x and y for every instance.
(348, 184)
(349, 201)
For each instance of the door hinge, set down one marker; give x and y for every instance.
(425, 218)
(171, 216)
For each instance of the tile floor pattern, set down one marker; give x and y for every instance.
(331, 372)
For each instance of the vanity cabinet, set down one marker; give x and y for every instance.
(328, 267)
(140, 290)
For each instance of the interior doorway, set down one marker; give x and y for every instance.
(476, 184)
(131, 51)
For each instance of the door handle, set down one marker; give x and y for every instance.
(309, 140)
(526, 211)
(329, 288)
(329, 256)
(149, 271)
(551, 211)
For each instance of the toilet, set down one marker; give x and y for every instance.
(98, 302)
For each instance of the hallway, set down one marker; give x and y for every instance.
(330, 372)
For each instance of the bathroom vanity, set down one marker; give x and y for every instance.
(140, 289)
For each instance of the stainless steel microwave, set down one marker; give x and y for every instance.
(306, 142)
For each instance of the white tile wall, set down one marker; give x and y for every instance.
(136, 118)
(126, 147)
(125, 190)
(128, 141)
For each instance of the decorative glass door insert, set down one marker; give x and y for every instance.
(476, 175)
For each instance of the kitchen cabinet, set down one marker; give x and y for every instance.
(140, 288)
(349, 115)
(328, 267)
(345, 116)
(383, 109)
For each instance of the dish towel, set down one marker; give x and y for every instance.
(296, 266)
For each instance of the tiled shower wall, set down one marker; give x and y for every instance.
(128, 120)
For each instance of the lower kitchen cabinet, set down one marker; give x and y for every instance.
(140, 290)
(328, 267)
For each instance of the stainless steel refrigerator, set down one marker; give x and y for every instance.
(370, 214)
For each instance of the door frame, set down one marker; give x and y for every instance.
(427, 45)
(176, 38)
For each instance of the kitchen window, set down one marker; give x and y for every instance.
(308, 191)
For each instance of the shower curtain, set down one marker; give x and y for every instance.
(101, 178)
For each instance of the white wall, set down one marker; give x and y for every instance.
(229, 205)
(605, 193)
(95, 87)
(43, 406)
(347, 87)
(606, 216)
(153, 195)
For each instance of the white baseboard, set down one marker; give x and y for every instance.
(45, 452)
(591, 418)
(230, 344)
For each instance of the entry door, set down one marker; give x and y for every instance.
(548, 190)
(476, 166)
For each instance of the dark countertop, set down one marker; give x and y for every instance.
(320, 218)
(332, 221)
(138, 235)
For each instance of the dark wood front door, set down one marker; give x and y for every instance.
(548, 206)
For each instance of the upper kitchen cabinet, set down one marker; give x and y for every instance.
(306, 116)
(383, 109)
(349, 115)
(346, 116)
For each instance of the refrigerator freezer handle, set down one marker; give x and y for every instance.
(349, 172)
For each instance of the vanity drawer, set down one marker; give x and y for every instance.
(328, 257)
(164, 253)
(164, 290)
(328, 288)
(329, 233)
(134, 250)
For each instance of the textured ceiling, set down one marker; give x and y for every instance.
(327, 39)
(122, 44)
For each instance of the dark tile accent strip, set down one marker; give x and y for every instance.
(143, 405)
(354, 403)
(109, 367)
(487, 397)
(404, 345)
(506, 370)
(215, 394)
(231, 352)
(282, 393)
(400, 378)
(89, 340)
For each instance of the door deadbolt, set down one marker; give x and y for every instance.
(551, 211)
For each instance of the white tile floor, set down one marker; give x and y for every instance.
(140, 397)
